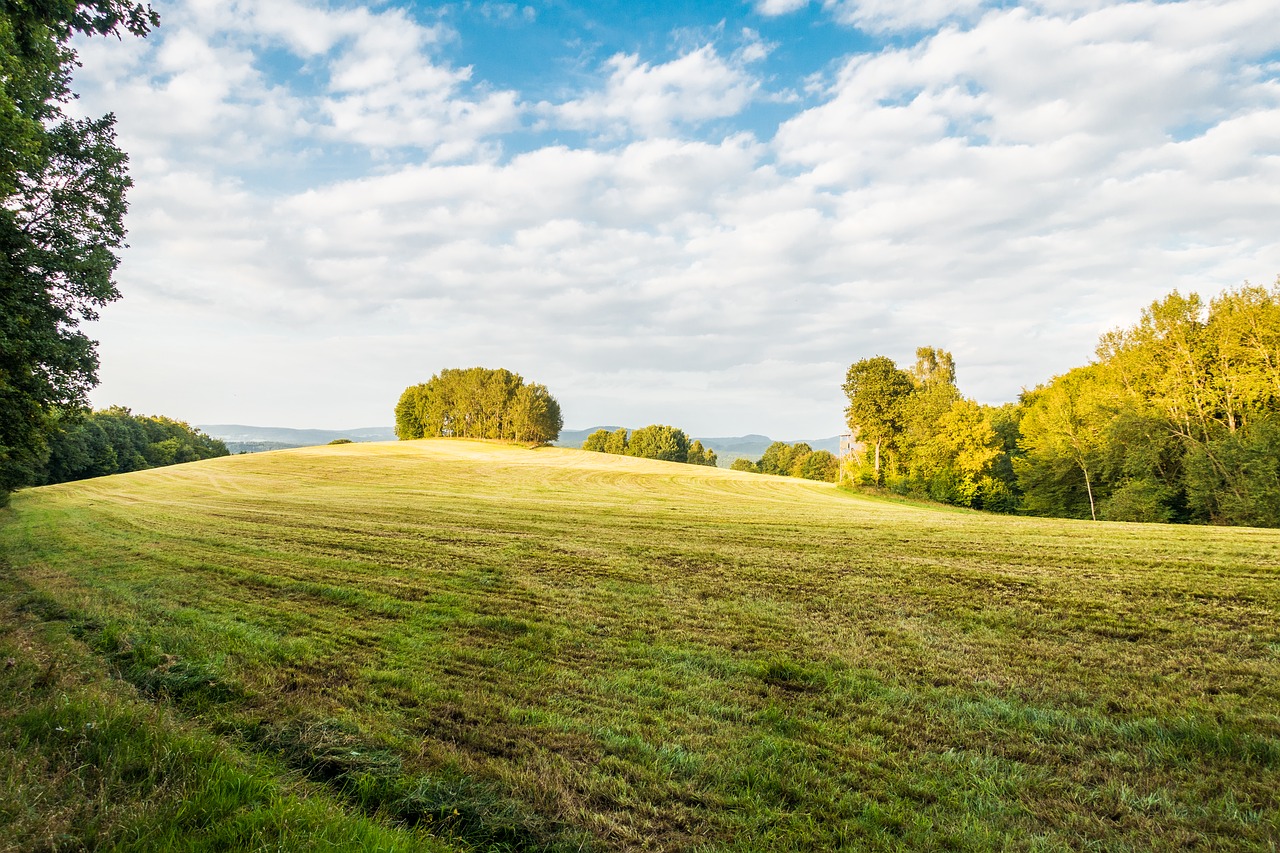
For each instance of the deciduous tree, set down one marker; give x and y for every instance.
(617, 442)
(877, 392)
(1063, 437)
(62, 206)
(659, 441)
(597, 441)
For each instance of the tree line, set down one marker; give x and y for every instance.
(116, 441)
(656, 441)
(1176, 420)
(793, 460)
(922, 436)
(477, 402)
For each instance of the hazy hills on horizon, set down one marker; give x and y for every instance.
(727, 448)
(244, 438)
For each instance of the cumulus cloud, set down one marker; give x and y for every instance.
(1005, 186)
(894, 15)
(371, 80)
(652, 99)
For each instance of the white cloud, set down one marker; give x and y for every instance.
(896, 15)
(508, 13)
(773, 8)
(652, 99)
(203, 77)
(1006, 187)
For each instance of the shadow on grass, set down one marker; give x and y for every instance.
(449, 804)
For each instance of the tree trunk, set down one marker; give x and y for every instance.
(1089, 488)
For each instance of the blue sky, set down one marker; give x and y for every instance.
(690, 213)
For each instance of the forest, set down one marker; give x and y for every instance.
(656, 441)
(477, 402)
(115, 441)
(1176, 420)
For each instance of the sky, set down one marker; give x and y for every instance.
(694, 213)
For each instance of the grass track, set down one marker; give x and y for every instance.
(551, 649)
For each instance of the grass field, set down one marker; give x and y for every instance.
(449, 645)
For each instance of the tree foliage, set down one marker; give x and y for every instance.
(616, 442)
(776, 459)
(656, 441)
(477, 402)
(817, 465)
(1063, 443)
(699, 455)
(597, 441)
(116, 441)
(793, 460)
(937, 443)
(659, 441)
(62, 206)
(1177, 420)
(877, 392)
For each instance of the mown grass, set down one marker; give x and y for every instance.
(88, 766)
(509, 649)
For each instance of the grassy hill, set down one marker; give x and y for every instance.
(451, 645)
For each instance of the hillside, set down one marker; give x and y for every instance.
(242, 438)
(444, 644)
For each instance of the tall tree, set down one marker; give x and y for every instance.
(934, 365)
(877, 392)
(1064, 435)
(62, 206)
(534, 415)
(1201, 391)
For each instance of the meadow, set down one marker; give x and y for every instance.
(451, 645)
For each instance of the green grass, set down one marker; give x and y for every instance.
(485, 647)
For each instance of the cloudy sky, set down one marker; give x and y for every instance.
(697, 213)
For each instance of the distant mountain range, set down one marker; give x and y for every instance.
(241, 438)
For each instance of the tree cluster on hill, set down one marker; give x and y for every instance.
(62, 205)
(793, 460)
(1177, 420)
(922, 436)
(115, 441)
(476, 402)
(656, 441)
